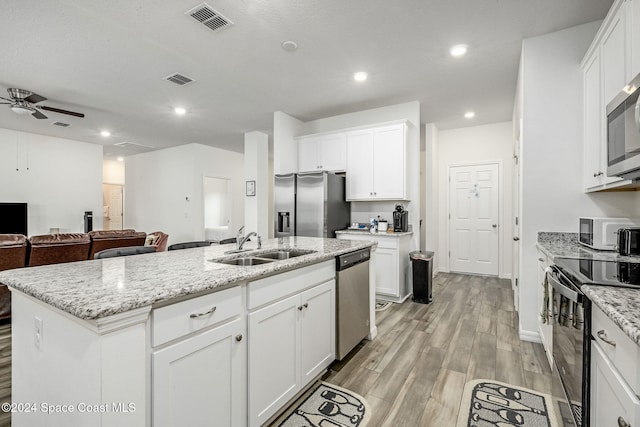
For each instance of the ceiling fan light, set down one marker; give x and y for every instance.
(19, 109)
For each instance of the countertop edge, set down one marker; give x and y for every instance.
(620, 319)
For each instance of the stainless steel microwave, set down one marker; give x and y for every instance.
(623, 132)
(602, 233)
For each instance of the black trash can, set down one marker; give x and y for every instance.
(422, 267)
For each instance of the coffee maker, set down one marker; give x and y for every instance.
(400, 219)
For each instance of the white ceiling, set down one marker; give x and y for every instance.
(108, 60)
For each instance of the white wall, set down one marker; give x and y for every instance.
(477, 144)
(256, 166)
(285, 148)
(362, 211)
(430, 239)
(113, 172)
(164, 189)
(60, 179)
(552, 198)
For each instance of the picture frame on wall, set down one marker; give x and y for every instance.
(251, 188)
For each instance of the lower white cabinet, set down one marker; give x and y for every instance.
(199, 381)
(390, 262)
(292, 341)
(545, 329)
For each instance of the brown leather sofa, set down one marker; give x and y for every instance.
(107, 239)
(58, 248)
(13, 254)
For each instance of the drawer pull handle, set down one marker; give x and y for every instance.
(239, 337)
(194, 316)
(603, 336)
(623, 423)
(305, 305)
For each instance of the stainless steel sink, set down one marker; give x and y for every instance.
(284, 254)
(244, 261)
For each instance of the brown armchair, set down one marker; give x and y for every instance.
(57, 248)
(107, 239)
(13, 254)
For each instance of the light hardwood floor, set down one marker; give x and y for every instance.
(414, 372)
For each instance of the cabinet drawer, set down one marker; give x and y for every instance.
(174, 321)
(611, 398)
(624, 354)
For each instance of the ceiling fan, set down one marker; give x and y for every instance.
(23, 101)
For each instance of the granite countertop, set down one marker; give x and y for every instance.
(621, 305)
(99, 288)
(365, 231)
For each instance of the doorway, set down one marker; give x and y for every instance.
(217, 208)
(515, 278)
(473, 219)
(112, 206)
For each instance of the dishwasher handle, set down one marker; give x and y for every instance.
(350, 259)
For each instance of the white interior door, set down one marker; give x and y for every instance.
(473, 225)
(112, 206)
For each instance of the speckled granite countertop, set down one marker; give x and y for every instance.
(381, 234)
(622, 305)
(100, 288)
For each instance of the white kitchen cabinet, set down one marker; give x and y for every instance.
(634, 23)
(322, 152)
(376, 163)
(199, 361)
(200, 380)
(292, 337)
(604, 74)
(615, 53)
(391, 264)
(545, 329)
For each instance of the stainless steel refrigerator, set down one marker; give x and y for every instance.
(310, 204)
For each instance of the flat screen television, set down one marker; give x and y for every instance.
(13, 218)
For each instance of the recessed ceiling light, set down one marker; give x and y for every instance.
(469, 115)
(360, 76)
(180, 111)
(289, 46)
(105, 133)
(121, 159)
(458, 50)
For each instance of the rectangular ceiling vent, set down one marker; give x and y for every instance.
(133, 146)
(209, 17)
(62, 125)
(179, 79)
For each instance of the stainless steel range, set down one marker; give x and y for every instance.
(572, 329)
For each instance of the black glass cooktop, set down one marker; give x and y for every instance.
(602, 273)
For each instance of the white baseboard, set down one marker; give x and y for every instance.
(373, 332)
(505, 276)
(530, 336)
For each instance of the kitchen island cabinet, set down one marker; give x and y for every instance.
(143, 340)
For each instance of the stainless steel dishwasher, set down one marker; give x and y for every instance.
(352, 300)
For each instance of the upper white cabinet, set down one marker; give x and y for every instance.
(634, 23)
(376, 163)
(606, 70)
(322, 152)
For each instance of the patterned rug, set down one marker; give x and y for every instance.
(330, 406)
(382, 305)
(488, 403)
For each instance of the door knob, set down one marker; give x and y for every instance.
(239, 337)
(516, 238)
(494, 225)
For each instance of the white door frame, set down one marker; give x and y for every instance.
(500, 210)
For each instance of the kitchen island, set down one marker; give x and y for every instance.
(173, 338)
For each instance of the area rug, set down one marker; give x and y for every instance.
(382, 305)
(488, 403)
(330, 406)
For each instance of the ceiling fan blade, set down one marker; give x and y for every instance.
(6, 99)
(38, 115)
(58, 110)
(34, 98)
(6, 103)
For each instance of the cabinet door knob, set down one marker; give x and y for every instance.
(516, 238)
(623, 423)
(239, 337)
(300, 308)
(603, 336)
(597, 174)
(494, 225)
(196, 315)
(305, 305)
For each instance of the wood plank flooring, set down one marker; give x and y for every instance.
(414, 372)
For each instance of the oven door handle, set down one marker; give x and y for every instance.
(563, 289)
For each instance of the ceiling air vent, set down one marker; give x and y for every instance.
(133, 146)
(209, 17)
(179, 79)
(62, 125)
